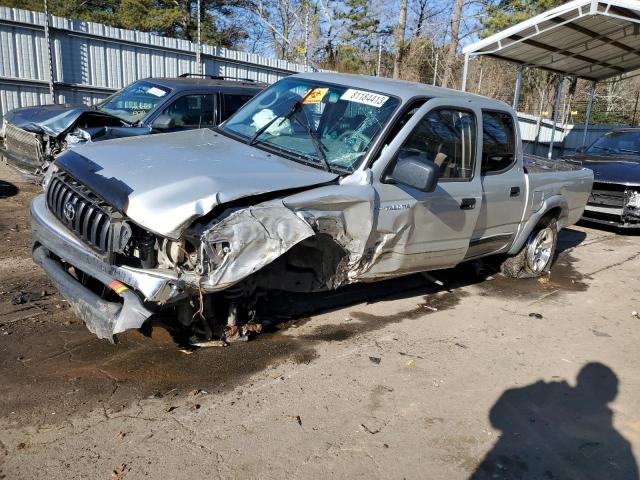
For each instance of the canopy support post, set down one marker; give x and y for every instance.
(516, 94)
(555, 116)
(592, 94)
(465, 71)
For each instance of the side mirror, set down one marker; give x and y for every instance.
(163, 122)
(415, 173)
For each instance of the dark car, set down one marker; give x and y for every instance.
(33, 136)
(615, 161)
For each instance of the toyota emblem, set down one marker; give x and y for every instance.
(69, 211)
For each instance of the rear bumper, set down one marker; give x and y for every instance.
(102, 317)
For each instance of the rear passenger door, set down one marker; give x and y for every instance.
(503, 185)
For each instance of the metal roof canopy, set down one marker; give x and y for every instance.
(589, 39)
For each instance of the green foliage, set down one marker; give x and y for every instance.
(361, 23)
(505, 13)
(172, 18)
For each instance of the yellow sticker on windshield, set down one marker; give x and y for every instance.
(315, 95)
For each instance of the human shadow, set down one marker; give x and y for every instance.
(556, 431)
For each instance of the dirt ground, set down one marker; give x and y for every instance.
(483, 378)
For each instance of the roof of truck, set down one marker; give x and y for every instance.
(400, 88)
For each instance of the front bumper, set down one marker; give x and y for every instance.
(22, 163)
(610, 216)
(102, 317)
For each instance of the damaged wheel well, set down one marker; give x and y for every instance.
(315, 264)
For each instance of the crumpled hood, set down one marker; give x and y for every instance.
(624, 170)
(50, 119)
(164, 182)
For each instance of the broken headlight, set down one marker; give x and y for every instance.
(631, 205)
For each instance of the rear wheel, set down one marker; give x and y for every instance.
(536, 256)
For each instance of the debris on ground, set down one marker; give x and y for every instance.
(170, 409)
(121, 435)
(537, 316)
(195, 407)
(26, 297)
(296, 418)
(544, 280)
(410, 362)
(120, 471)
(635, 314)
(375, 360)
(461, 345)
(404, 354)
(368, 430)
(432, 279)
(210, 343)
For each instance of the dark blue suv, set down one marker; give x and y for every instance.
(33, 136)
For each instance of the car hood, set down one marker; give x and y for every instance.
(51, 119)
(624, 170)
(164, 182)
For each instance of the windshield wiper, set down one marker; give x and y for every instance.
(317, 143)
(265, 127)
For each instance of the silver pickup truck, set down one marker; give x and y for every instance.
(321, 180)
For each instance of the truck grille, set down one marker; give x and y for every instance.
(23, 144)
(79, 210)
(607, 195)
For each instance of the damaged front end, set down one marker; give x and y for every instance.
(117, 274)
(33, 137)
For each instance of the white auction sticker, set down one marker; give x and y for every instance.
(362, 96)
(158, 92)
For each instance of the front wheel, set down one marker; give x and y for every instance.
(536, 256)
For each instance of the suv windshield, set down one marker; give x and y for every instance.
(623, 143)
(321, 123)
(132, 103)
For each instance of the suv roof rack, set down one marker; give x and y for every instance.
(216, 77)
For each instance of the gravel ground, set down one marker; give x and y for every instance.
(484, 378)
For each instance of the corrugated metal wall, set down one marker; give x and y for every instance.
(91, 60)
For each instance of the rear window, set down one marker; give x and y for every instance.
(498, 142)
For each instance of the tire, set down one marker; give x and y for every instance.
(537, 254)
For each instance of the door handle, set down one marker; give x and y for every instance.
(468, 204)
(515, 191)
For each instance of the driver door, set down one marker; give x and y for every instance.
(420, 231)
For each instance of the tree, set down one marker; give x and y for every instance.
(400, 32)
(505, 13)
(172, 18)
(455, 40)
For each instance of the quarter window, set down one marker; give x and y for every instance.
(193, 111)
(446, 137)
(232, 103)
(498, 142)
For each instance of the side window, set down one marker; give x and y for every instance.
(232, 103)
(498, 142)
(446, 137)
(193, 111)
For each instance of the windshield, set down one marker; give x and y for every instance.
(623, 143)
(132, 103)
(328, 125)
